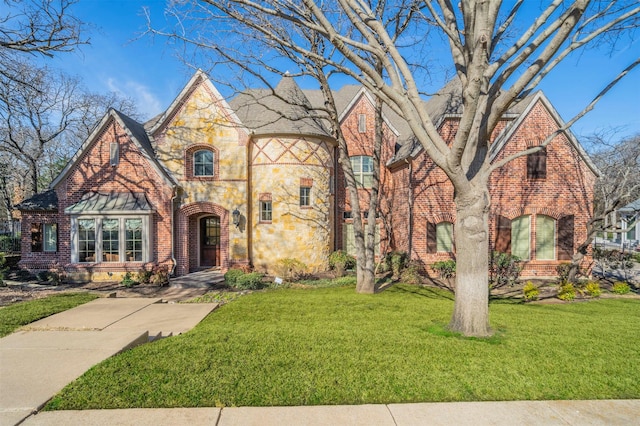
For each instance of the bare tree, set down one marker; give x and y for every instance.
(44, 122)
(36, 27)
(499, 54)
(617, 186)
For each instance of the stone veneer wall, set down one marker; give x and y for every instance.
(279, 167)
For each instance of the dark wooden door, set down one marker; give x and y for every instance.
(209, 241)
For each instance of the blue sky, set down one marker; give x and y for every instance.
(147, 69)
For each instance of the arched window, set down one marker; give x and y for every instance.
(203, 163)
(545, 238)
(363, 170)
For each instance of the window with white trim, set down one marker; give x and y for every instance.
(305, 196)
(110, 239)
(266, 211)
(203, 163)
(362, 166)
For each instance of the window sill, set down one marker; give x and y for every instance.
(264, 222)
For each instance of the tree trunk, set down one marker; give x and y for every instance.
(471, 310)
(366, 282)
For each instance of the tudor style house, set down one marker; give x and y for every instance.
(211, 183)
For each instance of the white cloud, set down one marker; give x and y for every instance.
(146, 102)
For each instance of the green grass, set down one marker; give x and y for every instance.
(15, 316)
(332, 346)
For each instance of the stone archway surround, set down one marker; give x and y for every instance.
(187, 237)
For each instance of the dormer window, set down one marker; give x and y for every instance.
(203, 163)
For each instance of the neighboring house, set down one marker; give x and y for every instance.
(216, 184)
(630, 223)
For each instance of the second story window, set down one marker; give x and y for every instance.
(537, 165)
(362, 123)
(203, 163)
(363, 170)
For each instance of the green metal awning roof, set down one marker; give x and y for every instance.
(115, 202)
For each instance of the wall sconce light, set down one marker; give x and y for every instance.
(236, 218)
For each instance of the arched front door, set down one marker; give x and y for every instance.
(210, 241)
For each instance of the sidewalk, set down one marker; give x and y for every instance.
(605, 412)
(40, 360)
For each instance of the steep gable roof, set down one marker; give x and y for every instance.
(284, 110)
(531, 101)
(133, 129)
(158, 122)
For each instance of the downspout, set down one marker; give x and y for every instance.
(410, 224)
(173, 236)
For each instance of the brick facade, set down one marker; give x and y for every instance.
(415, 195)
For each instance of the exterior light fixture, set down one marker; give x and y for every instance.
(236, 218)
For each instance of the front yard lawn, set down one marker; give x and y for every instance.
(15, 316)
(332, 346)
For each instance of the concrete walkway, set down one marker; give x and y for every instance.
(618, 412)
(40, 360)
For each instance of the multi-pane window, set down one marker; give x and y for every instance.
(305, 196)
(203, 163)
(265, 211)
(133, 240)
(86, 240)
(520, 237)
(444, 237)
(362, 166)
(110, 240)
(545, 238)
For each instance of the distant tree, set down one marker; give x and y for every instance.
(617, 186)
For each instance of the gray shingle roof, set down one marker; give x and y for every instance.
(95, 202)
(44, 201)
(283, 110)
(631, 207)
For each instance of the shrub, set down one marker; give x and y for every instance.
(251, 281)
(127, 281)
(232, 276)
(563, 270)
(143, 276)
(445, 268)
(592, 289)
(411, 273)
(504, 269)
(567, 291)
(159, 276)
(340, 261)
(397, 260)
(531, 292)
(620, 287)
(290, 268)
(50, 277)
